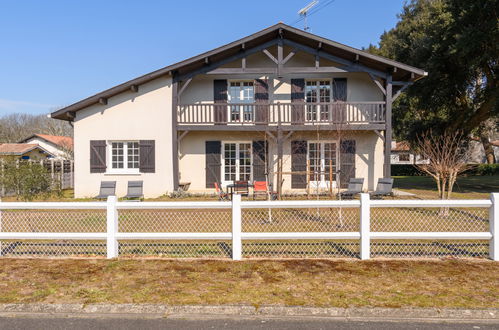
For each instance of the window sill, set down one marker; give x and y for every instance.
(123, 173)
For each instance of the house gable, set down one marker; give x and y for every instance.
(349, 58)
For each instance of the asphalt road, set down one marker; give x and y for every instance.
(13, 323)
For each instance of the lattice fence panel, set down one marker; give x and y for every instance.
(300, 220)
(301, 248)
(54, 221)
(177, 249)
(430, 219)
(429, 248)
(52, 248)
(186, 221)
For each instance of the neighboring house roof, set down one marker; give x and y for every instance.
(206, 60)
(18, 149)
(61, 141)
(401, 146)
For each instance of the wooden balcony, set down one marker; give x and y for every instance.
(289, 116)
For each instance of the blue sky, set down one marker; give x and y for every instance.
(54, 53)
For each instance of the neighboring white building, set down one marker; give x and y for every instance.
(275, 106)
(61, 147)
(403, 155)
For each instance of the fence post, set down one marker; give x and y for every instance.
(365, 227)
(236, 227)
(494, 227)
(112, 227)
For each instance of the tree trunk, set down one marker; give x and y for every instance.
(489, 150)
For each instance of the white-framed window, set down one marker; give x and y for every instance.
(241, 92)
(318, 93)
(323, 159)
(123, 157)
(237, 160)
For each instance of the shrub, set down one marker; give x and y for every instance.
(406, 170)
(487, 169)
(26, 179)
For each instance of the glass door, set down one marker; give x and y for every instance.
(237, 160)
(317, 97)
(242, 95)
(322, 159)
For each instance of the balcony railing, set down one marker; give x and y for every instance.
(282, 113)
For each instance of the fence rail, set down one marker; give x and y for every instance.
(362, 228)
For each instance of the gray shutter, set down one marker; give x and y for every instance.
(347, 162)
(297, 96)
(340, 89)
(213, 163)
(220, 99)
(147, 157)
(298, 164)
(261, 100)
(339, 96)
(259, 157)
(97, 156)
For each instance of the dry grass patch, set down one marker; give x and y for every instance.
(393, 283)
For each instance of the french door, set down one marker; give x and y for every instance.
(322, 158)
(237, 160)
(242, 95)
(317, 97)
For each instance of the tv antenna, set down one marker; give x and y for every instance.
(303, 13)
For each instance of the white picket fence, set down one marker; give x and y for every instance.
(252, 221)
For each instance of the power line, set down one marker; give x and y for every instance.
(325, 4)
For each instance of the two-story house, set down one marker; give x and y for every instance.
(280, 105)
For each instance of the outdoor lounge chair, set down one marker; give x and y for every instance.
(260, 188)
(384, 188)
(107, 188)
(135, 190)
(222, 195)
(354, 188)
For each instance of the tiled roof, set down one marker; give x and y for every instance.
(401, 146)
(16, 148)
(61, 141)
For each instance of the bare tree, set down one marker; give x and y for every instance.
(18, 126)
(446, 159)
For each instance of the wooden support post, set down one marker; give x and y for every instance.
(175, 136)
(308, 178)
(72, 177)
(279, 161)
(62, 175)
(388, 130)
(280, 58)
(331, 178)
(2, 165)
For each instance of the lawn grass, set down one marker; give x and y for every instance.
(325, 283)
(466, 187)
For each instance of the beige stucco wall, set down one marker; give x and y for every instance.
(368, 157)
(145, 115)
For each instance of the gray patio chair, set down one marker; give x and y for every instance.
(354, 188)
(384, 188)
(107, 188)
(135, 190)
